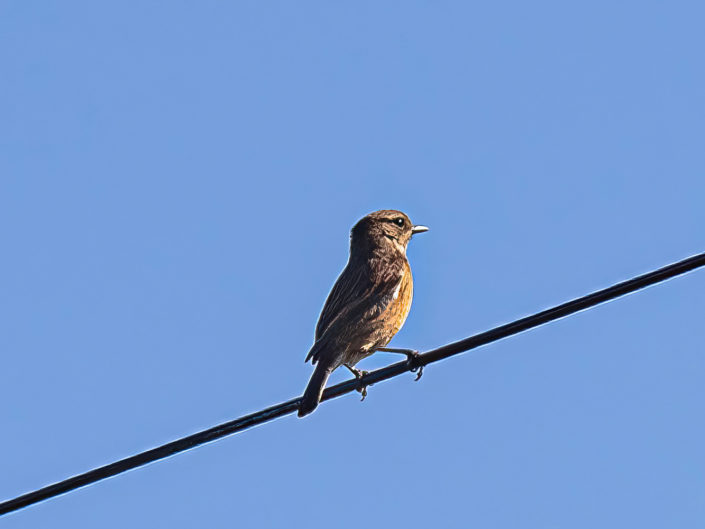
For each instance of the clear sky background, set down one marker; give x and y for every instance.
(177, 185)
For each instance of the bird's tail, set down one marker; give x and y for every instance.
(314, 390)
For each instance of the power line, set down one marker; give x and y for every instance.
(285, 408)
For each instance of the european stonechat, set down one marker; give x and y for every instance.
(369, 302)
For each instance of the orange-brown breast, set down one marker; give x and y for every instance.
(401, 303)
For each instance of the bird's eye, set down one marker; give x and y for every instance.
(399, 221)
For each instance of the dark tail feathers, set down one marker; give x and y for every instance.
(314, 390)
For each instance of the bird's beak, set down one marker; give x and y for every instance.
(418, 229)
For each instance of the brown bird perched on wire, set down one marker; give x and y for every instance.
(368, 304)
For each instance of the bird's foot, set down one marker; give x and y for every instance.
(413, 358)
(358, 374)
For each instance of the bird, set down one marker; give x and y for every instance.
(368, 303)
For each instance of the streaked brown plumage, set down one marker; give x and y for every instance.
(368, 303)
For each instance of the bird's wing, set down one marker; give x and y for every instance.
(353, 282)
(357, 318)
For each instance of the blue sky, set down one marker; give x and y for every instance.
(177, 185)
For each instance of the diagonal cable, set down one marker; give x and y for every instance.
(385, 373)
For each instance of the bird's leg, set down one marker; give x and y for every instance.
(412, 357)
(358, 375)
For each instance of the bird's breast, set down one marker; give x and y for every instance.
(401, 301)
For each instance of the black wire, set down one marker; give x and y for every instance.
(379, 375)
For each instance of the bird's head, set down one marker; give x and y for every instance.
(386, 228)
